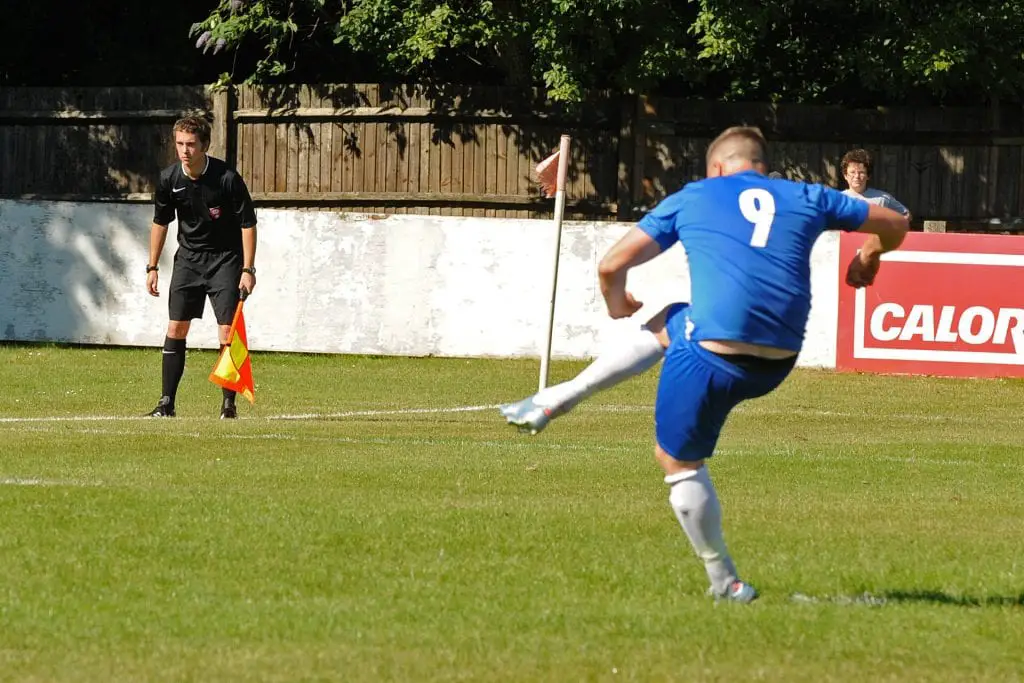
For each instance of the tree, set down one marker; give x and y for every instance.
(855, 51)
(564, 45)
(893, 50)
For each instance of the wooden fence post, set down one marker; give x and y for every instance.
(992, 177)
(221, 138)
(641, 112)
(627, 157)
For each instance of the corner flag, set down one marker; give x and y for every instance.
(551, 174)
(233, 369)
(547, 175)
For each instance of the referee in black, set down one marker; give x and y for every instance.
(216, 249)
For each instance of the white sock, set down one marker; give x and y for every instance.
(695, 503)
(629, 357)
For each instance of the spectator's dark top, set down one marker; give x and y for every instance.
(211, 210)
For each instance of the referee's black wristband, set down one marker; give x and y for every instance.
(149, 269)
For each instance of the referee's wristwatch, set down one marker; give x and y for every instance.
(251, 271)
(150, 269)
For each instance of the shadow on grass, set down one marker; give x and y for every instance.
(940, 598)
(867, 599)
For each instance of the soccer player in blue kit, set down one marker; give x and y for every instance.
(748, 241)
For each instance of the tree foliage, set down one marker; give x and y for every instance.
(850, 51)
(960, 50)
(563, 45)
(797, 50)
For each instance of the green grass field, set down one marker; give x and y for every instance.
(882, 519)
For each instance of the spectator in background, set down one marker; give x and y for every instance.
(857, 166)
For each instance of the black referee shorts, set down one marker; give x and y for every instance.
(198, 274)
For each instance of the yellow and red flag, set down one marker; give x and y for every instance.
(234, 369)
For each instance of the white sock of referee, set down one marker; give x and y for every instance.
(630, 356)
(696, 505)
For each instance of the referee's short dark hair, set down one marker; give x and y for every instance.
(194, 125)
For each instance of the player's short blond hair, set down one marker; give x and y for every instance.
(749, 134)
(194, 125)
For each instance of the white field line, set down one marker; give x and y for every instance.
(305, 416)
(72, 418)
(599, 408)
(28, 481)
(395, 411)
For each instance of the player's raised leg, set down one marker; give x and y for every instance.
(630, 356)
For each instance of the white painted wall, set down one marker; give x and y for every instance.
(348, 283)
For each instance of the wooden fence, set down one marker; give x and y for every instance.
(407, 151)
(471, 151)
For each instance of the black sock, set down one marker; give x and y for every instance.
(229, 394)
(174, 366)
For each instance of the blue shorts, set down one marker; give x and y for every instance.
(698, 389)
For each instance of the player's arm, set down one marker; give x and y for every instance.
(245, 212)
(157, 237)
(655, 233)
(248, 281)
(163, 214)
(634, 248)
(887, 229)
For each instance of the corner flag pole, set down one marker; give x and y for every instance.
(563, 169)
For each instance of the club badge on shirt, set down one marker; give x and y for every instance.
(214, 212)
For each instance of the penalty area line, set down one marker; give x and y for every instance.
(302, 416)
(31, 481)
(393, 411)
(752, 412)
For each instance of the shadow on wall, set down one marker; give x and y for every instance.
(63, 265)
(67, 270)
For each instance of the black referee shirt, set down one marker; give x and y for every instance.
(211, 210)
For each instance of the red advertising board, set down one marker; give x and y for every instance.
(942, 304)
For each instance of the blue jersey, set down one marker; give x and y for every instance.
(748, 241)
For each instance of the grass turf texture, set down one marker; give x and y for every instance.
(880, 517)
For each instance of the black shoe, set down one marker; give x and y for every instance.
(228, 411)
(163, 409)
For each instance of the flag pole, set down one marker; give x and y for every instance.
(563, 168)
